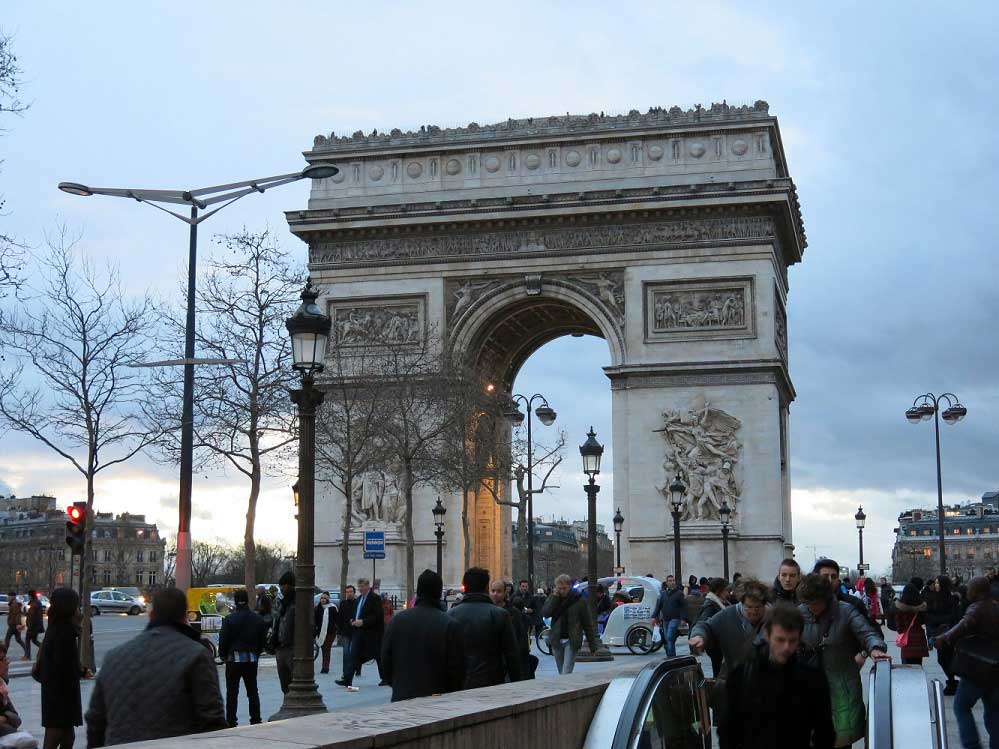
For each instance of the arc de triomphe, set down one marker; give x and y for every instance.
(667, 233)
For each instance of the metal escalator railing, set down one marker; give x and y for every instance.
(938, 715)
(901, 711)
(879, 715)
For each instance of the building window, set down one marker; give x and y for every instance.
(152, 556)
(971, 553)
(986, 529)
(926, 533)
(107, 577)
(152, 577)
(138, 577)
(956, 531)
(969, 531)
(912, 533)
(139, 556)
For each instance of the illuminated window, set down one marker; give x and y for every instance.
(912, 533)
(926, 533)
(956, 531)
(969, 531)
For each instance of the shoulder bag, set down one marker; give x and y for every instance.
(903, 637)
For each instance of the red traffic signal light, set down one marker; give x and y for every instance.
(75, 537)
(75, 514)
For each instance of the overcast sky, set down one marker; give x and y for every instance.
(888, 115)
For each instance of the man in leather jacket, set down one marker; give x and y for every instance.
(490, 644)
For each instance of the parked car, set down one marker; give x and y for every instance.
(4, 604)
(131, 593)
(113, 601)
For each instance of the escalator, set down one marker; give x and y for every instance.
(665, 706)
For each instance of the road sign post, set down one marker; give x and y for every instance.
(374, 549)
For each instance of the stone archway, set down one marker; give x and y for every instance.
(668, 233)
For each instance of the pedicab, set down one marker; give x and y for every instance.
(206, 607)
(628, 624)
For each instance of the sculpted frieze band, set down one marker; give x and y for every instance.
(545, 240)
(359, 324)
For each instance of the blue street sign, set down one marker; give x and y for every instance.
(374, 544)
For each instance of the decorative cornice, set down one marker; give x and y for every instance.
(538, 242)
(541, 127)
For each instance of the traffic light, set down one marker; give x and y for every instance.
(75, 537)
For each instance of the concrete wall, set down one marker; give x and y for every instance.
(537, 714)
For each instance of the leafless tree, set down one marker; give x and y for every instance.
(78, 337)
(208, 560)
(348, 425)
(170, 566)
(243, 416)
(120, 557)
(473, 449)
(11, 251)
(415, 394)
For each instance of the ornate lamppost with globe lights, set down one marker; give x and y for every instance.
(591, 452)
(861, 519)
(677, 490)
(546, 414)
(924, 408)
(439, 511)
(618, 527)
(725, 515)
(310, 330)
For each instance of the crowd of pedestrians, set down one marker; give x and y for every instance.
(785, 657)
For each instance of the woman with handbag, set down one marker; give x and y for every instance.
(910, 616)
(976, 652)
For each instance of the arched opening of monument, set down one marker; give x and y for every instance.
(545, 351)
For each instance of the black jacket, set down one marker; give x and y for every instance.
(670, 605)
(346, 612)
(282, 634)
(243, 631)
(34, 619)
(490, 644)
(422, 653)
(60, 675)
(774, 707)
(368, 638)
(784, 596)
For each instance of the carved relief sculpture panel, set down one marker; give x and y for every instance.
(699, 309)
(359, 322)
(703, 447)
(780, 325)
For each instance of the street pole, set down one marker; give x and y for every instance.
(592, 577)
(940, 505)
(183, 561)
(617, 545)
(725, 530)
(303, 697)
(677, 573)
(530, 499)
(860, 533)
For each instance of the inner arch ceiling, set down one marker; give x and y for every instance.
(507, 340)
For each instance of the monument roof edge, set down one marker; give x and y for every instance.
(542, 127)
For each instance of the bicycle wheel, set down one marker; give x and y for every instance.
(639, 640)
(541, 640)
(315, 650)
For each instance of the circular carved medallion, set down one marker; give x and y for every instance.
(614, 155)
(532, 161)
(656, 152)
(740, 147)
(414, 169)
(339, 176)
(492, 164)
(696, 149)
(573, 158)
(376, 172)
(452, 167)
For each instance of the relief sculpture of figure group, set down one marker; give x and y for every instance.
(702, 447)
(378, 499)
(698, 310)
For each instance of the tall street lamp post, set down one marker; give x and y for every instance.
(439, 512)
(861, 518)
(618, 526)
(677, 490)
(591, 451)
(924, 408)
(547, 416)
(725, 514)
(196, 199)
(310, 330)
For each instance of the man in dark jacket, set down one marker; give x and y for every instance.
(786, 582)
(422, 652)
(523, 601)
(981, 619)
(487, 632)
(668, 613)
(366, 628)
(282, 635)
(346, 612)
(241, 641)
(36, 623)
(829, 569)
(160, 684)
(498, 594)
(14, 626)
(774, 701)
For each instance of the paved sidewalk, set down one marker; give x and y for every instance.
(26, 693)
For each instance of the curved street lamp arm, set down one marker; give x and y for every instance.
(265, 182)
(251, 187)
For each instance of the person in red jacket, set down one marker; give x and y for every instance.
(910, 618)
